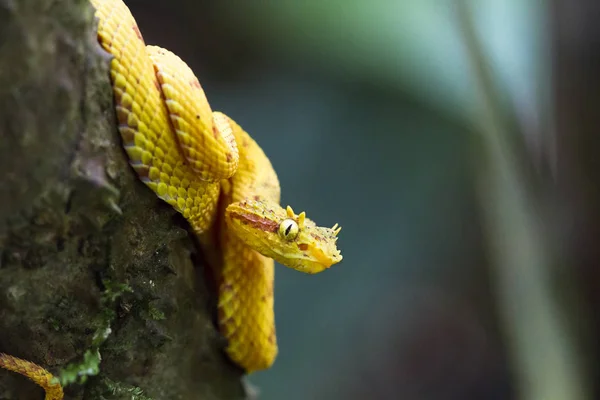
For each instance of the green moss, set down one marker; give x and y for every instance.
(79, 372)
(90, 365)
(155, 313)
(117, 389)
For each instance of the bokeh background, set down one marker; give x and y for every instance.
(377, 115)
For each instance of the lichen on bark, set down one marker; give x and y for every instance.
(73, 216)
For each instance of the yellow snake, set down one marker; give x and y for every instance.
(210, 170)
(34, 372)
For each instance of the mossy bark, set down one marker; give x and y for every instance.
(74, 221)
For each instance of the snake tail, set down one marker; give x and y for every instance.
(35, 373)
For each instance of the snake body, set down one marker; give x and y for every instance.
(37, 374)
(211, 171)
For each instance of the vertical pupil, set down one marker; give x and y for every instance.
(288, 229)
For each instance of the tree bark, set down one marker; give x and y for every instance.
(91, 261)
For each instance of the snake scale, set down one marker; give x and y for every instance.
(210, 170)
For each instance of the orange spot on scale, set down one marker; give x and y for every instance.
(221, 314)
(138, 33)
(227, 287)
(303, 246)
(122, 115)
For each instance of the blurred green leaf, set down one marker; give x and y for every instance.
(408, 45)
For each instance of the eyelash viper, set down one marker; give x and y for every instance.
(210, 170)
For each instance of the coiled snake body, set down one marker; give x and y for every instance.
(210, 170)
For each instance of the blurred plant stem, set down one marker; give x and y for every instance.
(542, 345)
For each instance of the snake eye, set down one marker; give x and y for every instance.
(288, 229)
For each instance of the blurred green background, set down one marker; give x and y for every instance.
(367, 110)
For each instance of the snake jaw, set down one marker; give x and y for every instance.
(257, 222)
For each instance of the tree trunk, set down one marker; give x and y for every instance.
(92, 263)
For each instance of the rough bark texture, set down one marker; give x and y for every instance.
(71, 264)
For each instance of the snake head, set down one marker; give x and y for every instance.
(290, 239)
